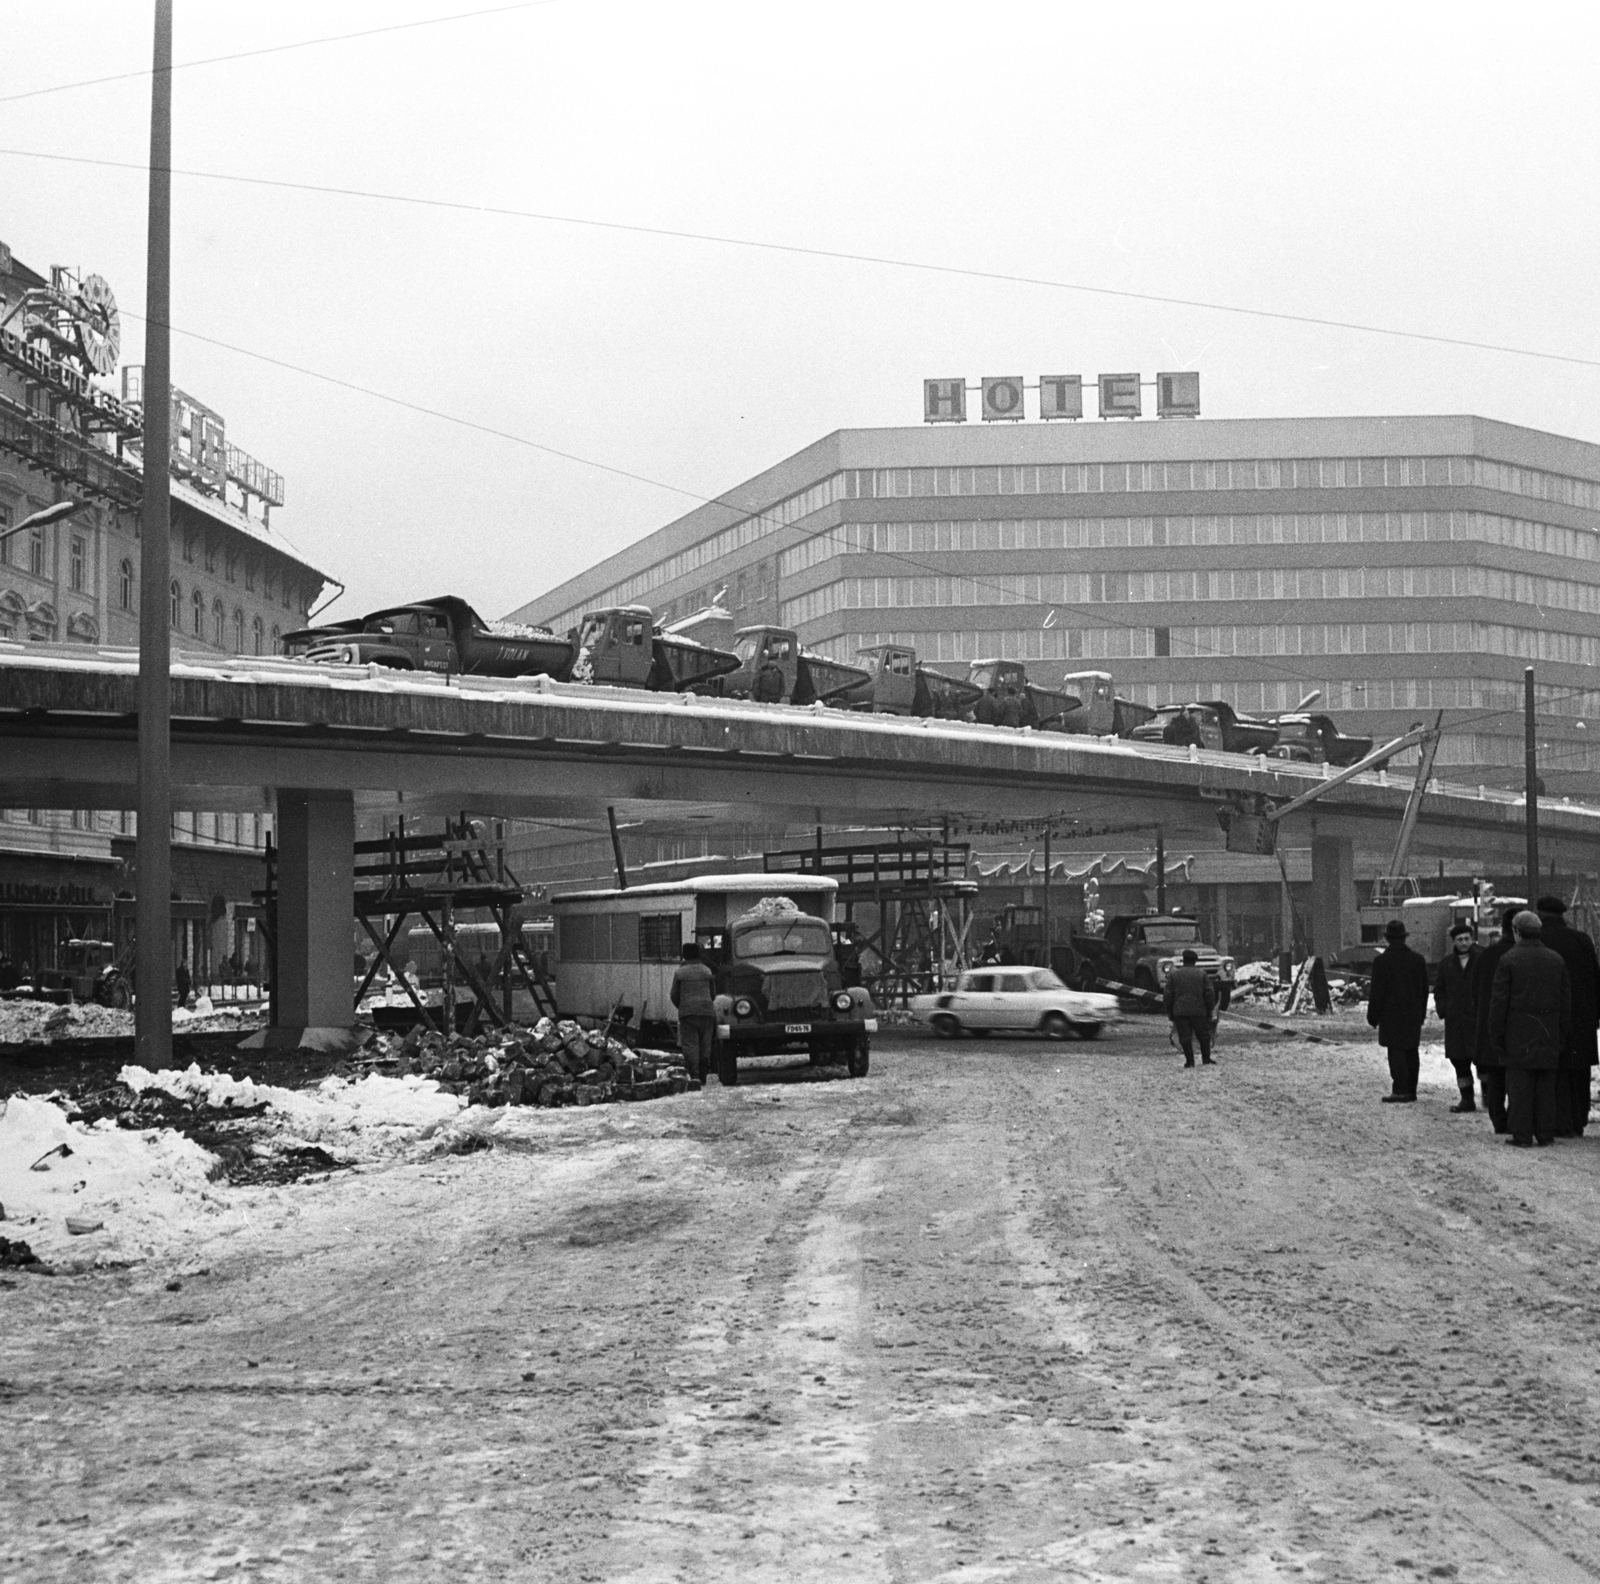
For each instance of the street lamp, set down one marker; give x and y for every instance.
(50, 514)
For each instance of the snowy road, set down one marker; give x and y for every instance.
(1004, 1310)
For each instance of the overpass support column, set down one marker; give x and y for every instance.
(316, 906)
(1334, 922)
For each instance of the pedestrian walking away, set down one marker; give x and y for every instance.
(1480, 981)
(693, 993)
(1452, 1000)
(1190, 1000)
(1579, 1055)
(1530, 1021)
(1397, 1004)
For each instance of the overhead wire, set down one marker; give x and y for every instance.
(841, 255)
(276, 49)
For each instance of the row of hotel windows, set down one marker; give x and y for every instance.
(1117, 533)
(232, 560)
(1156, 643)
(1072, 478)
(219, 625)
(1127, 588)
(227, 830)
(35, 560)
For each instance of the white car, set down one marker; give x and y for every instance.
(1015, 999)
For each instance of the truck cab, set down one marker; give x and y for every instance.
(615, 647)
(1020, 703)
(1142, 950)
(1101, 712)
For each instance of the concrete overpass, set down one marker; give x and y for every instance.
(319, 744)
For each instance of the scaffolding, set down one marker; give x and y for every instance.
(436, 878)
(921, 897)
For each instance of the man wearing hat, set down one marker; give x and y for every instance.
(1452, 1000)
(1397, 1004)
(1530, 1022)
(1576, 950)
(1480, 981)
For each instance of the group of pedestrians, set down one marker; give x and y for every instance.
(1522, 1010)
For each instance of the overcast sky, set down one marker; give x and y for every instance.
(1432, 168)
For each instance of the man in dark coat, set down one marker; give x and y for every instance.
(693, 993)
(1190, 1000)
(1480, 981)
(1530, 1022)
(1576, 950)
(1397, 1004)
(1452, 1000)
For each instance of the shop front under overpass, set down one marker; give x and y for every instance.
(320, 745)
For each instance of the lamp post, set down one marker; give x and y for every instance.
(153, 905)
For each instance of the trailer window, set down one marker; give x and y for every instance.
(577, 938)
(660, 937)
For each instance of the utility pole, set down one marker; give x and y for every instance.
(1161, 870)
(153, 907)
(1530, 783)
(1047, 962)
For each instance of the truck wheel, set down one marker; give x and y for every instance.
(947, 1026)
(860, 1054)
(1143, 979)
(727, 1059)
(1055, 1024)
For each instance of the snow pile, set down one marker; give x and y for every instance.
(150, 1191)
(1256, 982)
(46, 1023)
(365, 1118)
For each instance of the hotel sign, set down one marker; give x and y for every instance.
(1002, 397)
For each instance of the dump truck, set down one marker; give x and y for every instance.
(444, 634)
(1211, 723)
(1007, 698)
(1316, 739)
(1141, 949)
(621, 646)
(1101, 713)
(898, 684)
(774, 667)
(89, 971)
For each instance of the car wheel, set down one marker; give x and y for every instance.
(727, 1059)
(860, 1055)
(1055, 1024)
(947, 1026)
(1088, 1030)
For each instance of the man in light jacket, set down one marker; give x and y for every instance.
(1530, 1023)
(1190, 999)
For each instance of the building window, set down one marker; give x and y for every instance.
(277, 639)
(288, 592)
(269, 582)
(211, 554)
(219, 625)
(80, 551)
(36, 552)
(125, 586)
(231, 566)
(250, 573)
(5, 544)
(197, 601)
(257, 634)
(177, 607)
(238, 630)
(188, 546)
(1163, 643)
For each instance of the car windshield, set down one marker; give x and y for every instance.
(983, 676)
(589, 633)
(1170, 934)
(790, 937)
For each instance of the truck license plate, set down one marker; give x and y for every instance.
(796, 1028)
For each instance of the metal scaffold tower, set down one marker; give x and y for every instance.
(921, 898)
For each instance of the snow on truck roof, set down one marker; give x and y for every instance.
(727, 884)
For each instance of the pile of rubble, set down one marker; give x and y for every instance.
(1257, 985)
(551, 1064)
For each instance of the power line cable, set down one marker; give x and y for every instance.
(837, 255)
(277, 49)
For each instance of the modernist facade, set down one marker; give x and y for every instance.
(236, 588)
(1401, 566)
